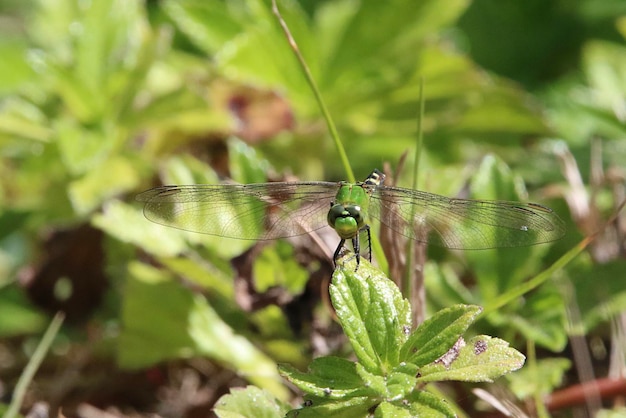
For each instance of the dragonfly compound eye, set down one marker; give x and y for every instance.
(346, 220)
(355, 212)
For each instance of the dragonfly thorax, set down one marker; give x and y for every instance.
(347, 220)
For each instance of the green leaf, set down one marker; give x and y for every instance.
(113, 177)
(482, 359)
(357, 51)
(162, 320)
(357, 407)
(246, 41)
(202, 274)
(250, 402)
(276, 265)
(387, 409)
(246, 165)
(94, 71)
(81, 148)
(372, 313)
(395, 385)
(210, 26)
(128, 224)
(400, 385)
(427, 405)
(329, 378)
(434, 337)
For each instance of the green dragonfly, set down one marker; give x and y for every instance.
(266, 211)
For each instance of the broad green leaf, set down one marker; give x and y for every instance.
(328, 378)
(427, 405)
(481, 359)
(154, 317)
(111, 178)
(201, 273)
(372, 313)
(250, 402)
(434, 337)
(128, 224)
(357, 407)
(164, 320)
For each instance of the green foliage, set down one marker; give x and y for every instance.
(542, 377)
(187, 326)
(250, 402)
(392, 362)
(102, 99)
(17, 317)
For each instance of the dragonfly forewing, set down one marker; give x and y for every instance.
(251, 211)
(464, 224)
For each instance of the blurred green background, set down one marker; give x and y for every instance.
(101, 99)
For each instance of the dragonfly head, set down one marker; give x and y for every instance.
(347, 220)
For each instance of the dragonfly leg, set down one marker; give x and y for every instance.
(356, 246)
(337, 251)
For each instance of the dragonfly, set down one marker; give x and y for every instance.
(267, 211)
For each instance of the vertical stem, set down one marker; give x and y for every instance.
(318, 96)
(413, 277)
(33, 365)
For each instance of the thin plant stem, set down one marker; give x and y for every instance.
(33, 365)
(318, 96)
(413, 279)
(376, 247)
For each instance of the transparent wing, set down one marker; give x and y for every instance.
(245, 211)
(464, 224)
